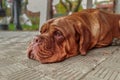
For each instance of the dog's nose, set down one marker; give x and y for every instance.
(38, 39)
(31, 55)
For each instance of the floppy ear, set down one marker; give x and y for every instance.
(46, 25)
(84, 38)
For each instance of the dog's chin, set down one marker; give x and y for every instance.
(49, 57)
(40, 55)
(46, 52)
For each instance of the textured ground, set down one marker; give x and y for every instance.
(99, 64)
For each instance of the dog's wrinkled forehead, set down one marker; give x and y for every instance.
(60, 24)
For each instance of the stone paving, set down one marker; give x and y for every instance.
(99, 64)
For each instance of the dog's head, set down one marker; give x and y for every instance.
(60, 38)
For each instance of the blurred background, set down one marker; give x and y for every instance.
(31, 14)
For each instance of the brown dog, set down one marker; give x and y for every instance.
(68, 36)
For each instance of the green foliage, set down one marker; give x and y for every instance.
(25, 27)
(60, 9)
(80, 8)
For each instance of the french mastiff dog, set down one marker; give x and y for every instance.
(74, 34)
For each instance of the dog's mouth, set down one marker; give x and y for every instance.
(41, 50)
(46, 50)
(39, 55)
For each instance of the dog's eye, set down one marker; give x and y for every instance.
(58, 36)
(57, 33)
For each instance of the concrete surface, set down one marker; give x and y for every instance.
(99, 64)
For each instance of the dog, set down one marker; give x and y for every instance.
(68, 36)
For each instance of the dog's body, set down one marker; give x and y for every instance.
(67, 36)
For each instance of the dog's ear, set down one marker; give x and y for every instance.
(83, 36)
(46, 25)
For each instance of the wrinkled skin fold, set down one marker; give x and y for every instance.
(74, 34)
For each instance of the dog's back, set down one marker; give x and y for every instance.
(108, 19)
(101, 25)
